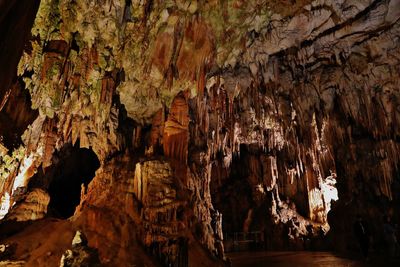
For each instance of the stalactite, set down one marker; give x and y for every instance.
(213, 104)
(175, 134)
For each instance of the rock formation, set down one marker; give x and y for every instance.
(81, 254)
(206, 118)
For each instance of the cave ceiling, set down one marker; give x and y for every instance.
(205, 117)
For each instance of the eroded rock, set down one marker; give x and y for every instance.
(81, 254)
(254, 109)
(32, 207)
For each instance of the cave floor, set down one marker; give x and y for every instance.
(304, 259)
(39, 243)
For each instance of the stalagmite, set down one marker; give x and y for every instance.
(196, 122)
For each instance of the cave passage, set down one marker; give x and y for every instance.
(77, 167)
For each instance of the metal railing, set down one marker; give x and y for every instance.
(242, 241)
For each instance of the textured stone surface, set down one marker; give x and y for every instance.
(80, 255)
(162, 213)
(263, 111)
(79, 239)
(12, 263)
(33, 207)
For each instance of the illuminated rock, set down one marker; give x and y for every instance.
(33, 207)
(276, 114)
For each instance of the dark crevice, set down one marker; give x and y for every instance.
(16, 114)
(72, 170)
(127, 12)
(77, 168)
(74, 45)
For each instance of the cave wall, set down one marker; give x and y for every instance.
(16, 20)
(265, 111)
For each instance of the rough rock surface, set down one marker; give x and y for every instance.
(32, 207)
(272, 113)
(162, 212)
(81, 255)
(12, 263)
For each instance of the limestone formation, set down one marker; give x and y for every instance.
(33, 207)
(12, 263)
(208, 119)
(81, 255)
(79, 239)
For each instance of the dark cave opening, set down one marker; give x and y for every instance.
(72, 167)
(77, 168)
(12, 123)
(249, 222)
(232, 197)
(231, 192)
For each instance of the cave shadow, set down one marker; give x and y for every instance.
(232, 196)
(72, 170)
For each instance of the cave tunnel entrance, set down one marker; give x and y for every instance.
(232, 196)
(72, 167)
(257, 218)
(76, 167)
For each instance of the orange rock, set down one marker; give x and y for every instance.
(163, 51)
(175, 137)
(157, 129)
(107, 89)
(196, 51)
